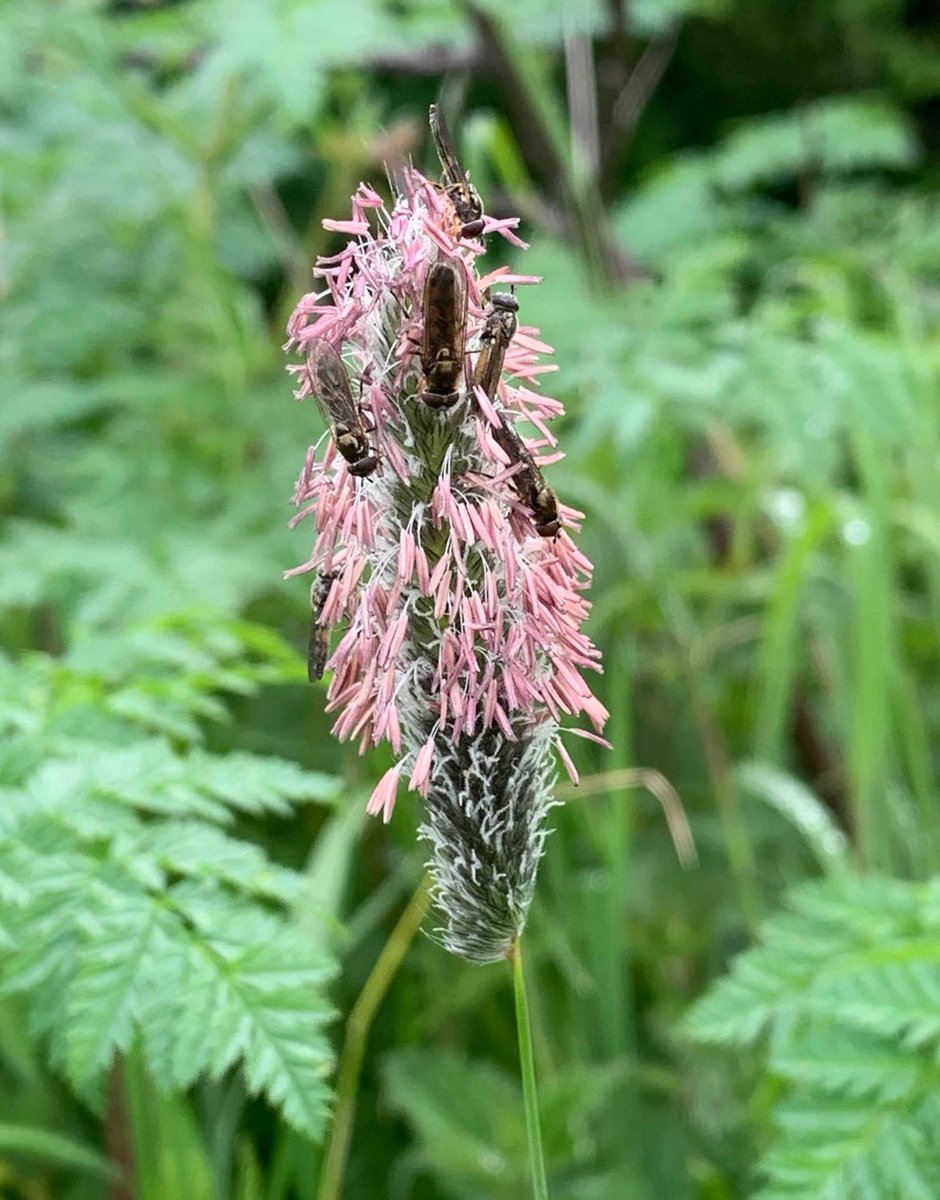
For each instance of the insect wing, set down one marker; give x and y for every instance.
(498, 330)
(318, 650)
(318, 646)
(528, 481)
(330, 385)
(445, 312)
(446, 151)
(467, 203)
(445, 328)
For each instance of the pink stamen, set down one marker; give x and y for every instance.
(421, 773)
(354, 227)
(502, 647)
(567, 761)
(383, 797)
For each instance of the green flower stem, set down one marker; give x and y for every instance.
(527, 1063)
(357, 1035)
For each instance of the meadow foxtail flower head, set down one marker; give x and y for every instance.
(438, 548)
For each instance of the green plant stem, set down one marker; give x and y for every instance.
(734, 828)
(527, 1064)
(357, 1035)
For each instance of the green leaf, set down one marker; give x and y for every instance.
(848, 987)
(119, 965)
(798, 805)
(148, 777)
(198, 850)
(252, 784)
(848, 1063)
(468, 1118)
(55, 1149)
(833, 1151)
(134, 919)
(247, 989)
(834, 135)
(171, 1157)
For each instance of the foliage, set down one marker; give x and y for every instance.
(752, 432)
(469, 1124)
(845, 990)
(129, 917)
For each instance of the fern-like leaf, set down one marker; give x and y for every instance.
(847, 985)
(129, 917)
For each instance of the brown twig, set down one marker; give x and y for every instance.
(614, 64)
(535, 144)
(580, 201)
(118, 1137)
(582, 105)
(642, 83)
(658, 786)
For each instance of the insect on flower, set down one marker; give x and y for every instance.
(318, 647)
(528, 481)
(461, 643)
(445, 331)
(498, 329)
(456, 181)
(330, 385)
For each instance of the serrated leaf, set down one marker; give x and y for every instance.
(118, 965)
(253, 784)
(246, 1003)
(849, 1063)
(109, 951)
(852, 1152)
(900, 1000)
(848, 986)
(192, 848)
(767, 983)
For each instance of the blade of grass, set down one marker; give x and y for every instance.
(169, 1154)
(54, 1149)
(357, 1035)
(873, 654)
(778, 656)
(529, 1088)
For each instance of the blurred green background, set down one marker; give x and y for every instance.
(734, 207)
